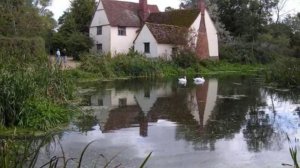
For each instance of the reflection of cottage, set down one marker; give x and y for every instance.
(203, 101)
(119, 109)
(118, 26)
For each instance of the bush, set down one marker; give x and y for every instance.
(285, 72)
(266, 49)
(122, 65)
(184, 58)
(22, 48)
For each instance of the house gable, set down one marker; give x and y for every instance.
(121, 13)
(100, 18)
(145, 36)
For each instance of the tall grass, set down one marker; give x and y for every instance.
(293, 153)
(32, 93)
(123, 65)
(18, 154)
(137, 65)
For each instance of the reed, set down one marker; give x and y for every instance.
(19, 154)
(31, 90)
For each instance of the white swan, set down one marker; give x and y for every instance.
(182, 80)
(199, 80)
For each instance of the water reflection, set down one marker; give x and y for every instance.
(223, 116)
(203, 113)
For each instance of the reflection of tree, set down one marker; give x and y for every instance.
(86, 122)
(259, 131)
(228, 116)
(284, 95)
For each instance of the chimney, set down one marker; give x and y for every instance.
(202, 49)
(201, 5)
(143, 10)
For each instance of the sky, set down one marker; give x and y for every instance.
(59, 6)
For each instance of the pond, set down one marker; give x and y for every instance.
(227, 122)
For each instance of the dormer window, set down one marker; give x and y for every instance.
(122, 31)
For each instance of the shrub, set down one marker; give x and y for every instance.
(131, 64)
(22, 48)
(284, 72)
(184, 58)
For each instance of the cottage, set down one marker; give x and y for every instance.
(118, 26)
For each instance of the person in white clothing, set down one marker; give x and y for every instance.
(57, 56)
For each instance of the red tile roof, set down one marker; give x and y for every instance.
(121, 13)
(182, 18)
(168, 34)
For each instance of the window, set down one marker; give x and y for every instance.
(174, 50)
(99, 47)
(122, 102)
(100, 102)
(147, 47)
(121, 31)
(99, 30)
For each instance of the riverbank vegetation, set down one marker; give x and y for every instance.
(16, 153)
(33, 94)
(133, 65)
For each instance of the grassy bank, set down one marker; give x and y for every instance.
(33, 94)
(132, 65)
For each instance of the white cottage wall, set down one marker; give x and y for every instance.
(100, 19)
(122, 44)
(165, 50)
(212, 36)
(146, 36)
(103, 39)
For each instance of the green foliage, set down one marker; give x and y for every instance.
(15, 89)
(284, 72)
(22, 47)
(23, 80)
(24, 153)
(41, 114)
(265, 49)
(245, 18)
(136, 65)
(78, 43)
(293, 152)
(122, 65)
(74, 29)
(184, 58)
(22, 18)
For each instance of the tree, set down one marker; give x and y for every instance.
(73, 33)
(78, 17)
(279, 8)
(23, 18)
